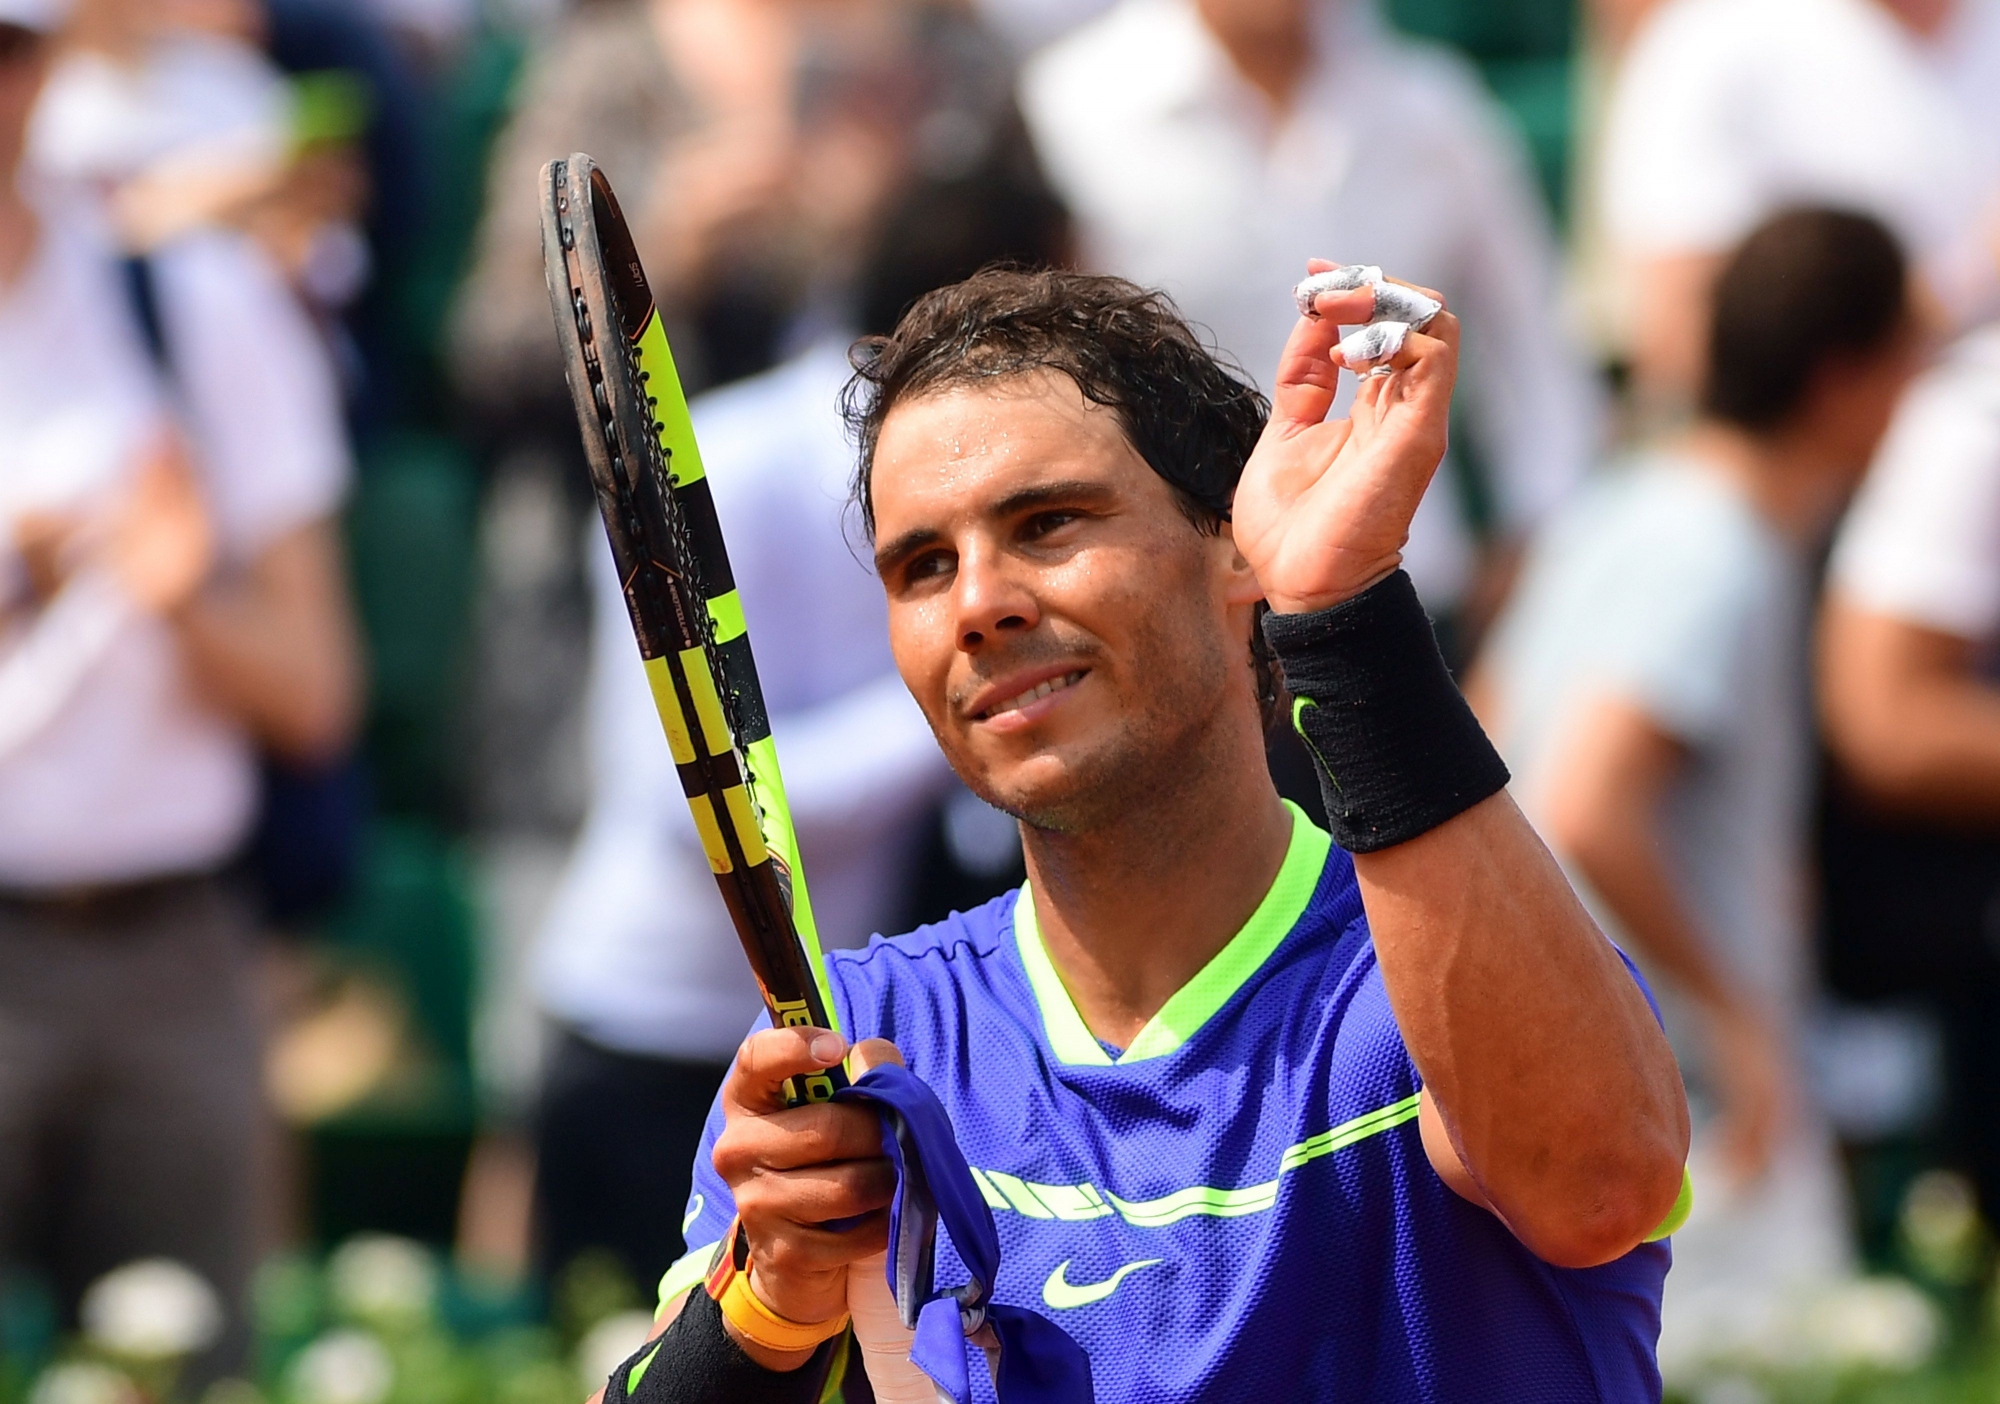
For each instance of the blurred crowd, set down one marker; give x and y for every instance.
(344, 881)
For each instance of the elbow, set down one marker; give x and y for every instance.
(1888, 766)
(1621, 1205)
(1611, 1223)
(316, 721)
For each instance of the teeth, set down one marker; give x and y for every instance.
(1035, 693)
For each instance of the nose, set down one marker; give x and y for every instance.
(989, 601)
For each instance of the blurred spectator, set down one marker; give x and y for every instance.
(1027, 25)
(1647, 686)
(170, 459)
(1209, 147)
(178, 117)
(1910, 696)
(1725, 110)
(748, 138)
(751, 143)
(639, 964)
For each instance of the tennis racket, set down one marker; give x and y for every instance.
(674, 571)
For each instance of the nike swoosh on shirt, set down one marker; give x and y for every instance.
(1060, 1293)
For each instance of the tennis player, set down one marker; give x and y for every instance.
(1262, 1113)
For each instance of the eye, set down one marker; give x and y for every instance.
(929, 566)
(1047, 523)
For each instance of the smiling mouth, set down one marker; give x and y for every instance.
(1033, 694)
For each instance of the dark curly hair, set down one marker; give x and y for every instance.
(1191, 417)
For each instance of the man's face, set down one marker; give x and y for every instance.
(1069, 633)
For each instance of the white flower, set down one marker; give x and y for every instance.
(609, 1343)
(153, 1309)
(1733, 1389)
(383, 1280)
(83, 1382)
(343, 1367)
(1881, 1322)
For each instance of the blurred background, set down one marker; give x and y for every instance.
(362, 988)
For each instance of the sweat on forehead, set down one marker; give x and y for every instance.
(1125, 348)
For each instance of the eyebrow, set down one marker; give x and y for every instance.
(1067, 491)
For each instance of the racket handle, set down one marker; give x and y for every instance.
(884, 1342)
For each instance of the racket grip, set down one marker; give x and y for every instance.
(884, 1342)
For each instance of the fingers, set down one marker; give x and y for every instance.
(813, 1196)
(809, 1135)
(873, 1053)
(1308, 373)
(793, 1171)
(771, 1057)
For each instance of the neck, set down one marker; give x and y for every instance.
(1133, 909)
(1270, 50)
(1783, 473)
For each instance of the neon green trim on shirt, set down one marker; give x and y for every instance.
(1196, 1002)
(689, 1270)
(1678, 1215)
(1085, 1201)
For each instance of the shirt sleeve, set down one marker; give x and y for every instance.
(1676, 173)
(1922, 542)
(1676, 644)
(258, 390)
(710, 1209)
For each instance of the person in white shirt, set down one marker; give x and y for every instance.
(638, 965)
(1723, 111)
(1206, 146)
(1647, 686)
(172, 604)
(1909, 682)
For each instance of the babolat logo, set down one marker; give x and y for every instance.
(793, 1014)
(818, 1088)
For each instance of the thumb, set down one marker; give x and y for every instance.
(873, 1053)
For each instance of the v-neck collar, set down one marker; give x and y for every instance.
(1196, 1002)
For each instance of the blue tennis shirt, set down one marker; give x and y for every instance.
(1238, 1206)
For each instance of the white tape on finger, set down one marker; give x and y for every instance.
(1393, 301)
(1345, 278)
(1378, 341)
(1396, 303)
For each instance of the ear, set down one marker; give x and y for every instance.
(1239, 581)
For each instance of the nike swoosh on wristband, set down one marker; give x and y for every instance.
(1062, 1294)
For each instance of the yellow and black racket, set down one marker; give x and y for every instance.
(667, 545)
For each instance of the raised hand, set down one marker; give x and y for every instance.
(1324, 506)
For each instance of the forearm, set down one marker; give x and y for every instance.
(1537, 1049)
(1911, 722)
(1536, 1046)
(276, 649)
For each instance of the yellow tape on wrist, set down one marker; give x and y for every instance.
(760, 1325)
(729, 1283)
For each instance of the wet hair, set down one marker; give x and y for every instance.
(1128, 349)
(1808, 287)
(1193, 419)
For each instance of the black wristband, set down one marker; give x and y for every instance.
(696, 1361)
(1399, 751)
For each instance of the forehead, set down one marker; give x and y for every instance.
(965, 449)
